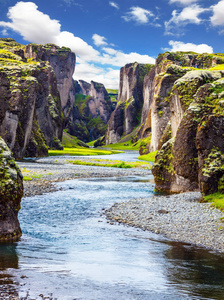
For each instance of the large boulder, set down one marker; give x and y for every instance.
(11, 192)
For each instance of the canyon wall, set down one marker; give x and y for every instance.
(36, 94)
(127, 114)
(191, 143)
(91, 111)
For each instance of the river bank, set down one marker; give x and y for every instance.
(178, 217)
(46, 172)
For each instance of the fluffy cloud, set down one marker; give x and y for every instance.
(189, 15)
(218, 14)
(99, 40)
(183, 2)
(31, 23)
(119, 59)
(138, 14)
(180, 46)
(113, 4)
(108, 76)
(35, 26)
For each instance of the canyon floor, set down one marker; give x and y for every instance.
(179, 217)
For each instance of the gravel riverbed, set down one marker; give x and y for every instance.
(178, 217)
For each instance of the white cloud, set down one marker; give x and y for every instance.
(31, 23)
(218, 14)
(186, 47)
(99, 40)
(35, 26)
(119, 59)
(113, 4)
(4, 32)
(109, 77)
(183, 2)
(189, 15)
(138, 14)
(77, 45)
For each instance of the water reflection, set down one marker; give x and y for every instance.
(197, 269)
(8, 260)
(67, 248)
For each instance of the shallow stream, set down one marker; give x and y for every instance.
(70, 251)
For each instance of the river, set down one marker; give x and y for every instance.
(70, 251)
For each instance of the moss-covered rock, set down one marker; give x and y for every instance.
(198, 147)
(11, 192)
(35, 86)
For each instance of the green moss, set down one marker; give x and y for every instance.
(217, 200)
(144, 143)
(214, 163)
(69, 141)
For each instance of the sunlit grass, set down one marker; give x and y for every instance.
(124, 145)
(217, 200)
(148, 157)
(81, 152)
(111, 163)
(217, 67)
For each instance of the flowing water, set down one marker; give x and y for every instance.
(70, 251)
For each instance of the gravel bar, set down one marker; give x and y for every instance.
(177, 217)
(57, 172)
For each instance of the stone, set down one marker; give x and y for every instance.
(11, 192)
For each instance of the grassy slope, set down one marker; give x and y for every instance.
(69, 141)
(148, 157)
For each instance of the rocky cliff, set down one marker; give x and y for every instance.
(190, 142)
(36, 88)
(127, 114)
(91, 111)
(11, 192)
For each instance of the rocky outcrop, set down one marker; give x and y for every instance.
(62, 60)
(36, 85)
(127, 114)
(11, 192)
(194, 156)
(91, 111)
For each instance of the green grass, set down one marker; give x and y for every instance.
(124, 146)
(69, 141)
(91, 143)
(111, 163)
(148, 157)
(81, 152)
(112, 91)
(27, 178)
(217, 200)
(217, 67)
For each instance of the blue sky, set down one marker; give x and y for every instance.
(106, 35)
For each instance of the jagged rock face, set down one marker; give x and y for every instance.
(130, 102)
(31, 117)
(158, 109)
(196, 158)
(62, 60)
(11, 192)
(91, 112)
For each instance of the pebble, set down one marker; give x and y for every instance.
(178, 217)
